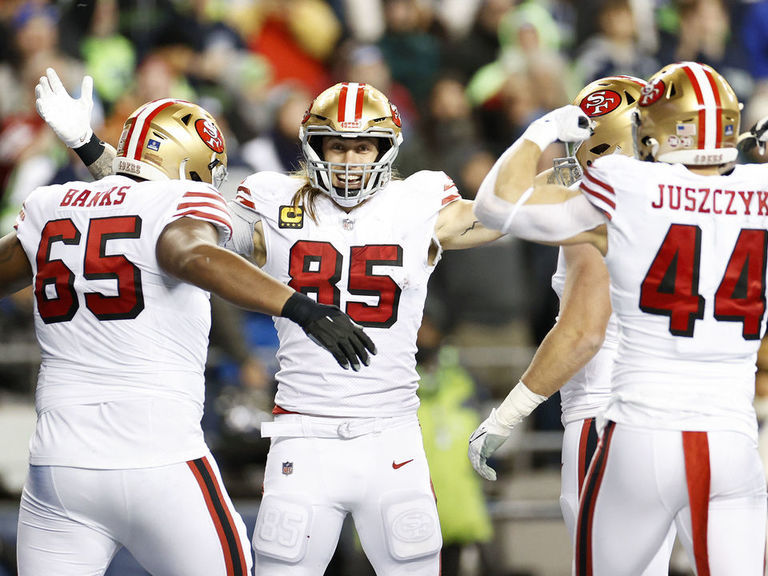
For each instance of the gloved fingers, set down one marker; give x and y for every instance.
(362, 337)
(479, 463)
(486, 472)
(55, 81)
(43, 88)
(366, 341)
(340, 357)
(86, 90)
(357, 343)
(349, 352)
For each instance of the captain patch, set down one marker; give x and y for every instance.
(291, 217)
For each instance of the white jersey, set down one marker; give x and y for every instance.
(586, 394)
(371, 262)
(123, 344)
(687, 259)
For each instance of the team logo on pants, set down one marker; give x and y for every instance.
(287, 468)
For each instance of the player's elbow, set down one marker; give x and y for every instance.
(585, 339)
(193, 266)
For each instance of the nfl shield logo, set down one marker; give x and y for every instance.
(287, 468)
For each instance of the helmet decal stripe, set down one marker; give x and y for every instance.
(707, 102)
(359, 102)
(351, 102)
(342, 101)
(129, 136)
(719, 105)
(133, 147)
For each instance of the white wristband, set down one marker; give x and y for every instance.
(520, 402)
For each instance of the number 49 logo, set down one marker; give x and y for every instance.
(671, 285)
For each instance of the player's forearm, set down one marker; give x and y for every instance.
(97, 157)
(220, 271)
(562, 353)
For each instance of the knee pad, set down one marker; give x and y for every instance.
(282, 528)
(411, 525)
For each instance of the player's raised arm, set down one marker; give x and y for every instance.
(512, 200)
(70, 119)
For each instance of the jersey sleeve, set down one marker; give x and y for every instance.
(595, 186)
(433, 191)
(257, 193)
(204, 202)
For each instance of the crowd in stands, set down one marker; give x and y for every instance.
(466, 75)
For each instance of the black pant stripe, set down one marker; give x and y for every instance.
(230, 532)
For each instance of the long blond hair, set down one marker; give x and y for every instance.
(305, 196)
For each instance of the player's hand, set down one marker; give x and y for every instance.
(567, 124)
(760, 133)
(484, 441)
(330, 328)
(69, 118)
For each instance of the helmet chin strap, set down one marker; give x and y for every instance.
(183, 169)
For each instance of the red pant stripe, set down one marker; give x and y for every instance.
(696, 450)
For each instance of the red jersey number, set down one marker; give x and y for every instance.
(671, 285)
(61, 303)
(315, 267)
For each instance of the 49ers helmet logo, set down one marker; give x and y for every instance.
(210, 134)
(600, 102)
(650, 93)
(395, 115)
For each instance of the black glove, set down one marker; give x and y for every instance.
(330, 328)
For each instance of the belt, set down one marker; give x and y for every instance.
(302, 425)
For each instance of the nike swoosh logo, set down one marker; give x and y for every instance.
(401, 464)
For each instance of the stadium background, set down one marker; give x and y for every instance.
(467, 77)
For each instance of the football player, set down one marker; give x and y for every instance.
(122, 269)
(683, 231)
(349, 233)
(576, 357)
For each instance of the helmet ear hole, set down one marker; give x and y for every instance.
(195, 176)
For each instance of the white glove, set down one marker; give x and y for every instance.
(567, 124)
(484, 441)
(69, 118)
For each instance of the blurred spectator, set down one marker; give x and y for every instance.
(158, 76)
(279, 148)
(446, 392)
(363, 19)
(29, 152)
(481, 45)
(450, 128)
(413, 54)
(614, 48)
(297, 37)
(108, 55)
(703, 34)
